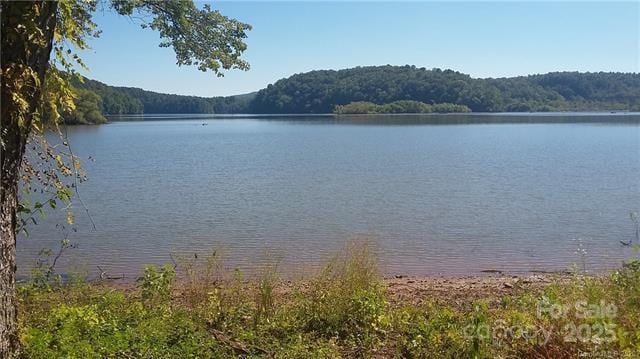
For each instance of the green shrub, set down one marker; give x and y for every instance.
(431, 331)
(156, 283)
(402, 106)
(347, 300)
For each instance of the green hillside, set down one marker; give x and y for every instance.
(321, 91)
(381, 89)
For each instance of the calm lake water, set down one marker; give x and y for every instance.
(430, 198)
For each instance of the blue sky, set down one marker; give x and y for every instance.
(484, 39)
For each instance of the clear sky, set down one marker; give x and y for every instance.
(484, 39)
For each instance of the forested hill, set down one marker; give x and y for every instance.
(321, 91)
(112, 100)
(131, 100)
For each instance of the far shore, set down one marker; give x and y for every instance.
(400, 118)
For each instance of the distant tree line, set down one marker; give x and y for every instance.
(403, 106)
(398, 89)
(321, 91)
(112, 100)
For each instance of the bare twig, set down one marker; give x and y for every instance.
(75, 177)
(175, 264)
(64, 244)
(105, 276)
(238, 347)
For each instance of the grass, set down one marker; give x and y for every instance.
(345, 310)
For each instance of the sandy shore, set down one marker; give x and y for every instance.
(462, 291)
(459, 292)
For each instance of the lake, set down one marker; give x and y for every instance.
(486, 193)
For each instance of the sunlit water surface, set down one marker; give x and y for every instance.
(430, 198)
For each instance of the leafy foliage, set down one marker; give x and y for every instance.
(156, 283)
(346, 300)
(200, 37)
(88, 109)
(344, 311)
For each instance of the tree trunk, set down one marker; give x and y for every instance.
(27, 36)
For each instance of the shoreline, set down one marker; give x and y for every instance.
(458, 291)
(269, 116)
(461, 291)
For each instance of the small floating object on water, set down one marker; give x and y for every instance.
(626, 243)
(204, 124)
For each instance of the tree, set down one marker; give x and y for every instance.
(39, 41)
(88, 109)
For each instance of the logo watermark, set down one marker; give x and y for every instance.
(580, 321)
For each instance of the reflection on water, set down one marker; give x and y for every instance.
(494, 193)
(410, 119)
